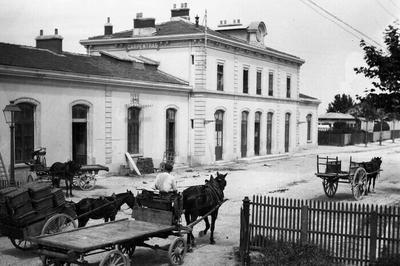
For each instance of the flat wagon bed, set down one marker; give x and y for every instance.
(102, 236)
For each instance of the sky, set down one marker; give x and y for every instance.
(294, 26)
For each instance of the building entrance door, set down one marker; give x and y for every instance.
(79, 133)
(257, 133)
(243, 146)
(269, 133)
(287, 131)
(79, 142)
(219, 134)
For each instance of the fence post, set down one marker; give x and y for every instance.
(246, 231)
(373, 236)
(304, 225)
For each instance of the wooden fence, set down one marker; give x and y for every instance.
(352, 233)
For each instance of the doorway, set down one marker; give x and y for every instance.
(257, 120)
(79, 133)
(287, 131)
(269, 133)
(243, 146)
(219, 134)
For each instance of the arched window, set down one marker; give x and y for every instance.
(133, 129)
(257, 121)
(287, 132)
(219, 134)
(309, 118)
(243, 146)
(269, 132)
(24, 132)
(170, 129)
(79, 133)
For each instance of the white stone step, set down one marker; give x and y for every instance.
(263, 158)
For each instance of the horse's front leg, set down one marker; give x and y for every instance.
(213, 219)
(202, 233)
(190, 236)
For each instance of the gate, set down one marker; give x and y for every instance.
(352, 233)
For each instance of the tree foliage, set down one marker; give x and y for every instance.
(341, 104)
(383, 68)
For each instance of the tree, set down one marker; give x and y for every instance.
(383, 67)
(341, 104)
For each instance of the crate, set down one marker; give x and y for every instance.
(43, 203)
(18, 198)
(5, 191)
(39, 190)
(22, 209)
(58, 197)
(26, 218)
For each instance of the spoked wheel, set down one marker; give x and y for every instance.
(22, 244)
(114, 258)
(177, 251)
(58, 223)
(128, 249)
(86, 182)
(330, 187)
(359, 184)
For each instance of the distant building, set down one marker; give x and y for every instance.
(246, 99)
(331, 118)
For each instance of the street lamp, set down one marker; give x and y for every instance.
(9, 114)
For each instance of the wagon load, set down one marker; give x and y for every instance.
(28, 204)
(33, 210)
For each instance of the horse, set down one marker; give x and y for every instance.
(111, 205)
(65, 171)
(372, 167)
(199, 200)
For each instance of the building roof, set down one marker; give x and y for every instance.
(105, 66)
(336, 116)
(304, 96)
(180, 27)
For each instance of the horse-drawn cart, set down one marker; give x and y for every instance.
(85, 178)
(329, 170)
(32, 211)
(158, 216)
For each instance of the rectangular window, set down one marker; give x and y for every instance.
(288, 81)
(270, 84)
(245, 80)
(258, 89)
(220, 77)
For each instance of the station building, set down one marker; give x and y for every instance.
(245, 100)
(209, 96)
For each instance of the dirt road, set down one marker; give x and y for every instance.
(289, 178)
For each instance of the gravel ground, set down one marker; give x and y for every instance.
(288, 178)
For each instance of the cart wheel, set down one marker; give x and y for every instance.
(58, 223)
(21, 244)
(359, 185)
(114, 258)
(128, 249)
(87, 182)
(177, 251)
(330, 187)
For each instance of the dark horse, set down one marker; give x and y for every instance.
(112, 205)
(65, 171)
(198, 200)
(373, 167)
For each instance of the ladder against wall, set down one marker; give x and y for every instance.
(3, 170)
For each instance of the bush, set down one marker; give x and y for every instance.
(287, 253)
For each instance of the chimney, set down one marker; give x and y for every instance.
(196, 18)
(50, 42)
(143, 26)
(182, 12)
(108, 27)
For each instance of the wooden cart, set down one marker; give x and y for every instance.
(31, 212)
(157, 217)
(329, 169)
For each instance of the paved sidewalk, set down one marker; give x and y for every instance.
(372, 146)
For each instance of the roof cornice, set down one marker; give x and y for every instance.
(193, 36)
(101, 80)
